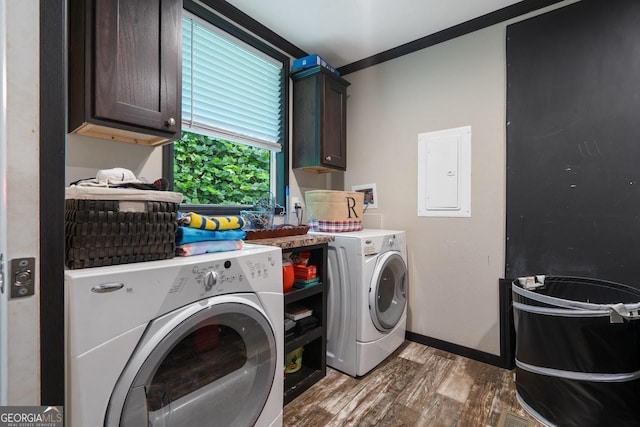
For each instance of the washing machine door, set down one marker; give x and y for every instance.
(388, 291)
(210, 363)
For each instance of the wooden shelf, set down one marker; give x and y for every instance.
(298, 294)
(298, 382)
(302, 340)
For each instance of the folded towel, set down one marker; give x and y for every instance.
(190, 235)
(195, 220)
(198, 248)
(120, 194)
(110, 177)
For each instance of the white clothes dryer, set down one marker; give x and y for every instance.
(193, 341)
(367, 304)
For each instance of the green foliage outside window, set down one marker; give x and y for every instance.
(215, 171)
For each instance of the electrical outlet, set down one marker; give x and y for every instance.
(295, 201)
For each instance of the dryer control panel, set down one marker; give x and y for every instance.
(252, 272)
(219, 278)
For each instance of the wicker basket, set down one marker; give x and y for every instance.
(111, 232)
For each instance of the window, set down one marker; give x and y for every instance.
(234, 103)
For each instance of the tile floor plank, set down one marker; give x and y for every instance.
(416, 386)
(314, 416)
(417, 394)
(505, 400)
(457, 384)
(441, 411)
(358, 406)
(487, 380)
(397, 378)
(328, 394)
(417, 352)
(400, 415)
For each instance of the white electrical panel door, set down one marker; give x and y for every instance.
(442, 178)
(444, 173)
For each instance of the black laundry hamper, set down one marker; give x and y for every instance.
(577, 351)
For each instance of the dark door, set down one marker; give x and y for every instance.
(334, 124)
(388, 292)
(138, 62)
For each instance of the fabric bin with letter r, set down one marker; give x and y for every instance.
(334, 211)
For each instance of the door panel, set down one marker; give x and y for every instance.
(215, 367)
(137, 86)
(3, 208)
(334, 146)
(387, 295)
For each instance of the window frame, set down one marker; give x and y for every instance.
(281, 169)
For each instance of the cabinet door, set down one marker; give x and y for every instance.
(334, 124)
(319, 120)
(138, 62)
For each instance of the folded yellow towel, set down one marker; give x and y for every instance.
(195, 220)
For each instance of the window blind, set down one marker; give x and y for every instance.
(230, 91)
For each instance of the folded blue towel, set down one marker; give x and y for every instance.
(198, 248)
(190, 235)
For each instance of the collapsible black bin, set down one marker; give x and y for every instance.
(577, 351)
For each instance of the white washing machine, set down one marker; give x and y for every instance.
(367, 304)
(193, 341)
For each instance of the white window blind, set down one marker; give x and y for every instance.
(230, 91)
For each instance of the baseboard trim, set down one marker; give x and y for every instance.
(506, 359)
(460, 350)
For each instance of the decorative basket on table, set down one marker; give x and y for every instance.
(106, 226)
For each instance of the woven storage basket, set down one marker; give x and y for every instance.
(114, 226)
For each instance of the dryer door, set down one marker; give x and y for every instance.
(388, 291)
(210, 363)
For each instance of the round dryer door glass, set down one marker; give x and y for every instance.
(215, 368)
(387, 296)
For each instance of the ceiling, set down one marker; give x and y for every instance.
(345, 31)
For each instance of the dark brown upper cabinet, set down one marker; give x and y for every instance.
(319, 120)
(125, 69)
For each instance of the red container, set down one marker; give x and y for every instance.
(287, 276)
(305, 272)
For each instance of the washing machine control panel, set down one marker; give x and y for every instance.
(378, 244)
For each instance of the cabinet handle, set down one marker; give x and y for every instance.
(170, 122)
(328, 158)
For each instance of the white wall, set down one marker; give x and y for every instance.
(23, 91)
(87, 155)
(455, 263)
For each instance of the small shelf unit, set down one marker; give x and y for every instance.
(313, 341)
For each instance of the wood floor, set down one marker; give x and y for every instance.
(416, 386)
